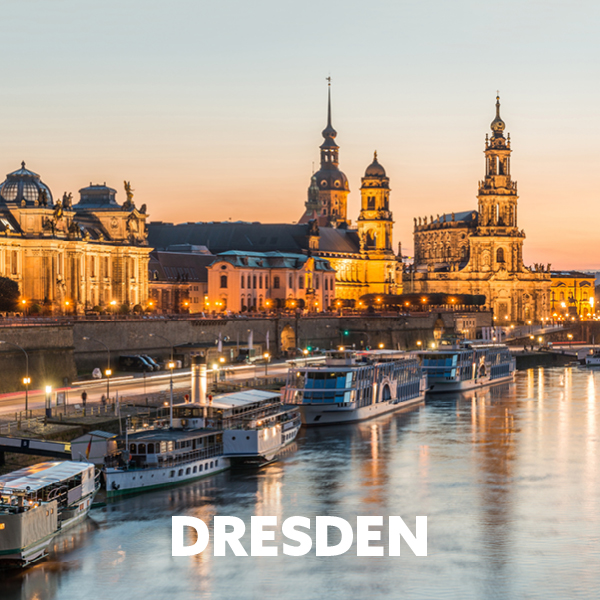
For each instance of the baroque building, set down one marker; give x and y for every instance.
(362, 256)
(481, 251)
(71, 257)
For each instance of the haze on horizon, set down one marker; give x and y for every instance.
(214, 111)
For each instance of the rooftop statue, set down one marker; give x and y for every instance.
(129, 191)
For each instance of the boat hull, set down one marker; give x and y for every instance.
(443, 386)
(315, 415)
(120, 482)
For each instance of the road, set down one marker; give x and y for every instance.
(134, 385)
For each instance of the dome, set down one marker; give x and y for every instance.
(375, 169)
(25, 186)
(97, 196)
(331, 179)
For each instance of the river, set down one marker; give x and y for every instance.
(508, 478)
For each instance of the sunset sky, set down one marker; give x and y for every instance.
(214, 110)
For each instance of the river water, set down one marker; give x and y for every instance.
(508, 478)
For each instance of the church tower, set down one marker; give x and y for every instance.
(375, 224)
(328, 192)
(375, 221)
(498, 244)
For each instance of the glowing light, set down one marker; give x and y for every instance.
(108, 372)
(48, 389)
(171, 365)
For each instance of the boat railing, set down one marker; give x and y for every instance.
(116, 460)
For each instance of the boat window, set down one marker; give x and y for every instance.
(195, 469)
(188, 471)
(141, 448)
(150, 448)
(211, 464)
(172, 474)
(180, 472)
(133, 449)
(216, 463)
(200, 469)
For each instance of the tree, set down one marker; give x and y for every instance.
(9, 294)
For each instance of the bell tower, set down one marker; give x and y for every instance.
(498, 243)
(328, 191)
(375, 221)
(497, 192)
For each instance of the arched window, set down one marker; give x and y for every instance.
(260, 282)
(301, 282)
(291, 282)
(371, 203)
(242, 282)
(326, 286)
(141, 448)
(500, 255)
(316, 282)
(223, 281)
(371, 239)
(150, 448)
(133, 448)
(276, 282)
(254, 281)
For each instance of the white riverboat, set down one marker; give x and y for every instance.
(37, 503)
(467, 366)
(593, 359)
(249, 427)
(354, 386)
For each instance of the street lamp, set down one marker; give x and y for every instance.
(419, 343)
(171, 366)
(26, 380)
(381, 346)
(266, 356)
(108, 371)
(48, 401)
(162, 337)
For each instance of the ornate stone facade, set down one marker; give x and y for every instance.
(481, 252)
(363, 260)
(70, 257)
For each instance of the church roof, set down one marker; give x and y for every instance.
(25, 188)
(251, 237)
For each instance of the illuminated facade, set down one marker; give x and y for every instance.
(363, 257)
(572, 295)
(241, 281)
(70, 257)
(481, 252)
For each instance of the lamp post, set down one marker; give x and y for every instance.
(48, 401)
(171, 365)
(108, 370)
(26, 380)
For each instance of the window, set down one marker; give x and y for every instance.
(172, 474)
(291, 282)
(260, 282)
(254, 281)
(316, 282)
(325, 283)
(195, 469)
(150, 448)
(211, 464)
(223, 281)
(200, 468)
(500, 255)
(180, 472)
(133, 449)
(301, 282)
(276, 282)
(242, 282)
(188, 471)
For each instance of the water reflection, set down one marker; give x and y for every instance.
(507, 477)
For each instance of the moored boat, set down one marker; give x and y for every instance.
(354, 386)
(200, 440)
(466, 366)
(37, 503)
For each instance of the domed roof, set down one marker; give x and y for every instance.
(498, 124)
(375, 169)
(331, 179)
(25, 186)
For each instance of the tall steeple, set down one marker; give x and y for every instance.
(331, 201)
(497, 192)
(498, 244)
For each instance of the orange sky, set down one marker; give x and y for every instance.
(215, 111)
